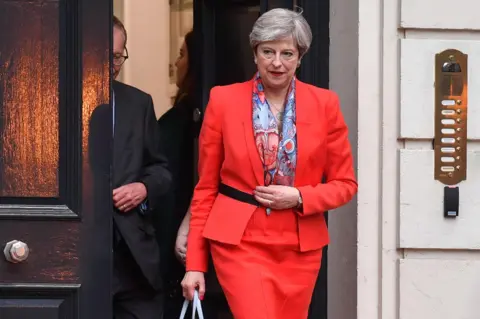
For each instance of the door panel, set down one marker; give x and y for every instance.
(55, 193)
(30, 56)
(40, 302)
(233, 25)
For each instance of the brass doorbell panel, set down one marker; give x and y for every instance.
(451, 93)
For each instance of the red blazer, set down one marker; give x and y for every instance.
(228, 153)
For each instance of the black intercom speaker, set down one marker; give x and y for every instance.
(450, 201)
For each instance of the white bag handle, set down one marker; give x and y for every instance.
(197, 307)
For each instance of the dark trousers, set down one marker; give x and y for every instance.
(133, 297)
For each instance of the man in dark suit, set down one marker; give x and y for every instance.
(140, 177)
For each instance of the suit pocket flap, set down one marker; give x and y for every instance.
(147, 228)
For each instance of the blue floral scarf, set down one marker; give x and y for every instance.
(277, 148)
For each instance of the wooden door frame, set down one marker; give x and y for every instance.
(72, 230)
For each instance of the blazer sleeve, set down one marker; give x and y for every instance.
(340, 185)
(210, 160)
(156, 177)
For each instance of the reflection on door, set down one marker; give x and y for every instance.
(29, 58)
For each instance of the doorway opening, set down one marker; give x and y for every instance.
(221, 31)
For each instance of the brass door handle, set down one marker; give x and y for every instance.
(16, 251)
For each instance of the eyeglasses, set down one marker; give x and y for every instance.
(119, 59)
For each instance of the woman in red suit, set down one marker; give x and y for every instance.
(258, 207)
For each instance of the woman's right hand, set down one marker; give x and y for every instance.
(193, 280)
(181, 247)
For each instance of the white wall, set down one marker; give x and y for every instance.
(411, 262)
(148, 27)
(439, 273)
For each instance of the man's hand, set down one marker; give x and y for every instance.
(127, 197)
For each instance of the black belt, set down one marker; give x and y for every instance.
(237, 194)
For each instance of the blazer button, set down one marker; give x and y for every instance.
(197, 114)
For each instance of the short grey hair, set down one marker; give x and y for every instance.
(280, 23)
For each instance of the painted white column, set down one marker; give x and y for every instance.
(362, 255)
(369, 158)
(342, 222)
(388, 222)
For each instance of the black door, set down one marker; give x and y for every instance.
(55, 224)
(222, 29)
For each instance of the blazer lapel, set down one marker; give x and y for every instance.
(247, 114)
(120, 117)
(303, 124)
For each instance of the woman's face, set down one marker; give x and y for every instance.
(182, 64)
(277, 61)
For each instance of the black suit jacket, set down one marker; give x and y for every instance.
(177, 133)
(136, 158)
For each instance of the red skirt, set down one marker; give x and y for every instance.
(266, 276)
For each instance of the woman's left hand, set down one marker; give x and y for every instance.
(277, 196)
